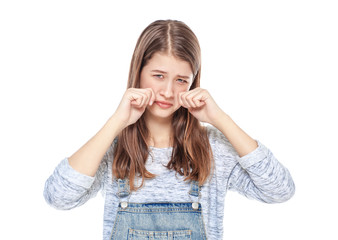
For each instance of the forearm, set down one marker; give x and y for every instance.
(66, 188)
(88, 158)
(260, 176)
(242, 142)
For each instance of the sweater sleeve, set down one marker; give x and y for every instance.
(66, 188)
(260, 176)
(257, 175)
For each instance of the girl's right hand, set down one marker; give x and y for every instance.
(133, 104)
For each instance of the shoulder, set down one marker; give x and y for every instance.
(218, 142)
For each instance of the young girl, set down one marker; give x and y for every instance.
(163, 174)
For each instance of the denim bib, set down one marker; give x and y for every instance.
(158, 221)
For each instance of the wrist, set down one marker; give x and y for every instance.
(221, 120)
(116, 124)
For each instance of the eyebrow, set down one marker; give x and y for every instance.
(160, 71)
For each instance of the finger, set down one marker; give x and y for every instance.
(152, 96)
(199, 97)
(136, 98)
(131, 95)
(149, 96)
(184, 102)
(147, 93)
(187, 98)
(198, 100)
(144, 99)
(199, 103)
(179, 95)
(190, 98)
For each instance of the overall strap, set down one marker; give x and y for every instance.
(123, 188)
(195, 192)
(195, 189)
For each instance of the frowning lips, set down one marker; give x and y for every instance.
(163, 104)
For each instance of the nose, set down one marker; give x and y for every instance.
(167, 90)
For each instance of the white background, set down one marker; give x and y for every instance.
(271, 65)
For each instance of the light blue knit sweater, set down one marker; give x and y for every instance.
(257, 175)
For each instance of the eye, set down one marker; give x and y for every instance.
(182, 81)
(159, 76)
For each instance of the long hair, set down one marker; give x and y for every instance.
(191, 155)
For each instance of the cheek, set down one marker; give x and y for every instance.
(179, 90)
(182, 89)
(144, 80)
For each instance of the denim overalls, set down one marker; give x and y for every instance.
(158, 221)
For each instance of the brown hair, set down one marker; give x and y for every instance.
(191, 155)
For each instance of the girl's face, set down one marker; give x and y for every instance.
(167, 76)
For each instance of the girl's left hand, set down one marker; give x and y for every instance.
(201, 105)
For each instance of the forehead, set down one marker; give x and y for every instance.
(168, 63)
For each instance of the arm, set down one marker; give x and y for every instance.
(204, 108)
(241, 141)
(257, 173)
(134, 102)
(78, 178)
(88, 158)
(66, 188)
(260, 176)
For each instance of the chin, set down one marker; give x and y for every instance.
(161, 113)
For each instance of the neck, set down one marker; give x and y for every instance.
(160, 132)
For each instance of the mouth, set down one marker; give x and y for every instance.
(164, 105)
